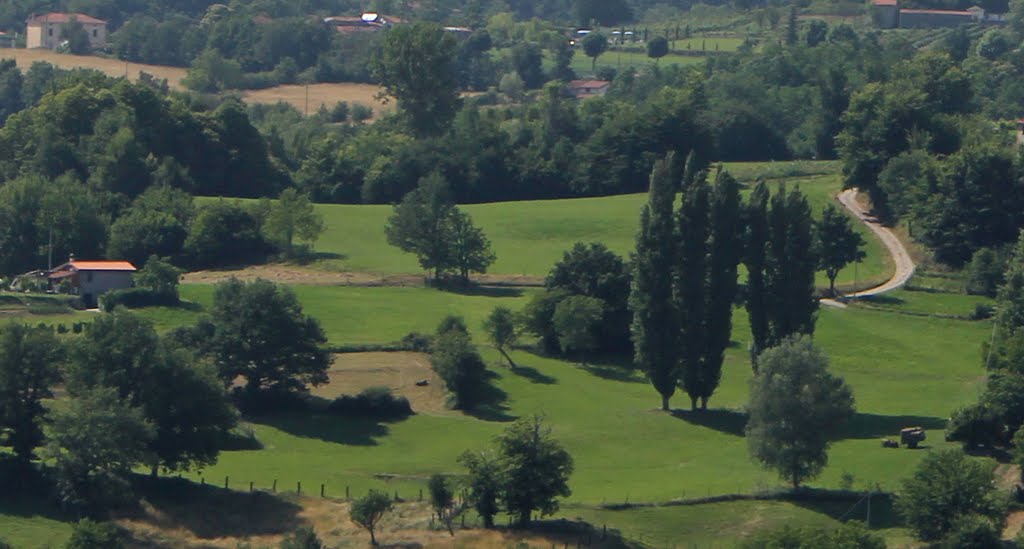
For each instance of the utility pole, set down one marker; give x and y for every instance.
(49, 252)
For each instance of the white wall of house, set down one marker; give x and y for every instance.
(47, 35)
(92, 284)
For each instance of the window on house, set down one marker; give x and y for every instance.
(95, 33)
(49, 32)
(88, 277)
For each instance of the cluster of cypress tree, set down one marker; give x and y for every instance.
(685, 278)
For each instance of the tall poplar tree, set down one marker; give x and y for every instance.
(755, 259)
(796, 263)
(655, 322)
(781, 263)
(724, 254)
(691, 284)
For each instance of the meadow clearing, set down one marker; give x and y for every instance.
(529, 237)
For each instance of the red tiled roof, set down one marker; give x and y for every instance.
(939, 12)
(61, 274)
(64, 18)
(886, 2)
(102, 265)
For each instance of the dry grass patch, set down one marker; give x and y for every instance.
(321, 94)
(262, 520)
(353, 372)
(297, 275)
(111, 67)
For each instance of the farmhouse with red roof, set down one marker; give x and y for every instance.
(44, 31)
(91, 279)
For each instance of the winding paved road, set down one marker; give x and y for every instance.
(904, 264)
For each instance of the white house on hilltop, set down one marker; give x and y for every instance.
(43, 31)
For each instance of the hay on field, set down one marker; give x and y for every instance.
(353, 372)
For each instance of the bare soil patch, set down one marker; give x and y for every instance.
(298, 275)
(353, 372)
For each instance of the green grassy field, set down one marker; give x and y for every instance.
(904, 370)
(529, 237)
(920, 302)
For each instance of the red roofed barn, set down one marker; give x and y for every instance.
(43, 31)
(91, 279)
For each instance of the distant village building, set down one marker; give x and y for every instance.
(6, 40)
(1020, 132)
(366, 22)
(888, 15)
(581, 89)
(91, 279)
(43, 31)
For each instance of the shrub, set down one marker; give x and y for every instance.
(303, 538)
(983, 311)
(416, 341)
(87, 534)
(135, 298)
(972, 532)
(975, 425)
(374, 402)
(361, 113)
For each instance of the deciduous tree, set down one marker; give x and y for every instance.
(292, 217)
(29, 358)
(368, 510)
(94, 440)
(946, 487)
(795, 407)
(484, 484)
(416, 67)
(657, 47)
(836, 244)
(500, 328)
(258, 331)
(576, 320)
(442, 500)
(594, 44)
(535, 470)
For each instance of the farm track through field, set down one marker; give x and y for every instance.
(900, 256)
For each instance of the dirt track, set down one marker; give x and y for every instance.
(900, 256)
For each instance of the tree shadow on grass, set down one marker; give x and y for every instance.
(878, 426)
(492, 403)
(26, 493)
(730, 422)
(533, 375)
(883, 515)
(327, 427)
(576, 533)
(212, 512)
(478, 290)
(307, 257)
(882, 300)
